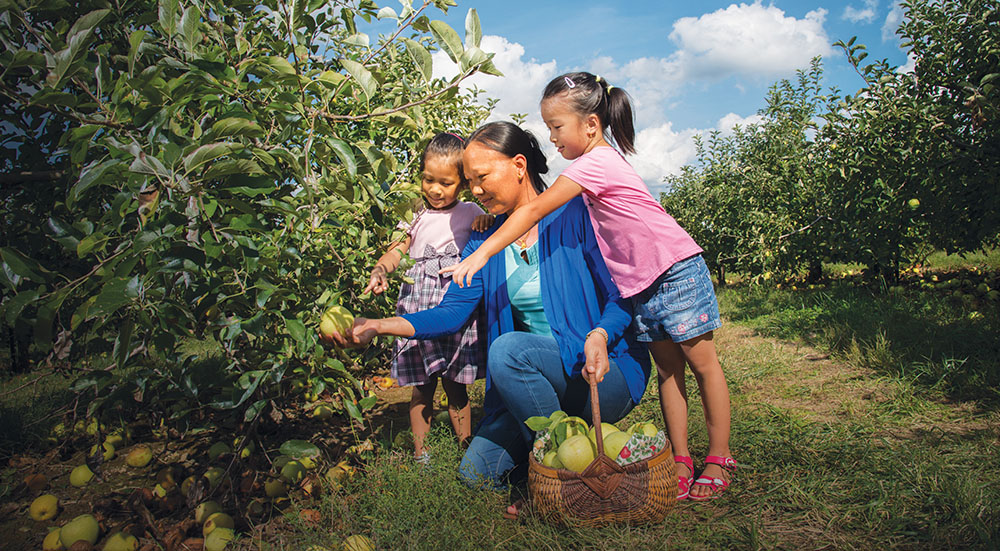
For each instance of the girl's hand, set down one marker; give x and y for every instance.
(595, 349)
(483, 222)
(461, 273)
(378, 282)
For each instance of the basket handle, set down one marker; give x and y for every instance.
(595, 410)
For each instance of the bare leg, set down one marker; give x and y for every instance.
(701, 356)
(459, 409)
(670, 362)
(421, 407)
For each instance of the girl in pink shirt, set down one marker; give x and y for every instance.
(650, 257)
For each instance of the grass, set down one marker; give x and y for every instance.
(835, 453)
(861, 420)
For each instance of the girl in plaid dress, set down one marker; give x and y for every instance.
(435, 238)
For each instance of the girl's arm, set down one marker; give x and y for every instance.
(365, 330)
(385, 265)
(515, 226)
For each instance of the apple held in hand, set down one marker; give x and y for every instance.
(336, 320)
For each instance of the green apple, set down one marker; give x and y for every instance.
(80, 476)
(205, 510)
(83, 527)
(120, 541)
(44, 507)
(51, 541)
(140, 456)
(217, 520)
(576, 452)
(219, 539)
(217, 450)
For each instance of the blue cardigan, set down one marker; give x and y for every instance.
(578, 295)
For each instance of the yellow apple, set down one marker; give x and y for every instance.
(44, 507)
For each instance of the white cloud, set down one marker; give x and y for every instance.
(910, 65)
(748, 39)
(861, 15)
(731, 120)
(660, 151)
(892, 22)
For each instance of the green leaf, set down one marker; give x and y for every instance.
(89, 177)
(123, 343)
(299, 449)
(448, 39)
(207, 153)
(296, 329)
(16, 305)
(49, 96)
(246, 167)
(421, 58)
(43, 328)
(167, 15)
(280, 65)
(23, 266)
(472, 57)
(96, 240)
(135, 41)
(362, 76)
(537, 423)
(368, 402)
(386, 13)
(235, 126)
(345, 154)
(189, 27)
(473, 30)
(148, 164)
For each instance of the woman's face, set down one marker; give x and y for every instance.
(498, 181)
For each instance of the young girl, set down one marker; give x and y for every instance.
(650, 257)
(435, 237)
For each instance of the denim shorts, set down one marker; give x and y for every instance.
(680, 305)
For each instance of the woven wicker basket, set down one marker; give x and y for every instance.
(605, 492)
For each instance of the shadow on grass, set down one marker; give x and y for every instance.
(937, 342)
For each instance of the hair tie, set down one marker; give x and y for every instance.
(569, 82)
(461, 139)
(610, 87)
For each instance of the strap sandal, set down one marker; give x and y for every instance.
(684, 482)
(717, 485)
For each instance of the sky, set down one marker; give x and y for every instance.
(690, 67)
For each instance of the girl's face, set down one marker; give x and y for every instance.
(441, 181)
(498, 181)
(572, 134)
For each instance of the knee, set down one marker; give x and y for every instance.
(504, 354)
(474, 471)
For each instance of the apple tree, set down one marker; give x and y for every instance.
(184, 178)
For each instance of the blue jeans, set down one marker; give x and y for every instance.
(527, 373)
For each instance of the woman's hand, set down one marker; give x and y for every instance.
(461, 273)
(378, 283)
(483, 222)
(595, 349)
(361, 334)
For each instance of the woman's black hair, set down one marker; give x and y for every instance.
(512, 140)
(592, 95)
(446, 144)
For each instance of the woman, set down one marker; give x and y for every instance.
(552, 312)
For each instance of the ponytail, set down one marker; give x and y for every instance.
(511, 140)
(588, 94)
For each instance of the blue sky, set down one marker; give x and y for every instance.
(690, 67)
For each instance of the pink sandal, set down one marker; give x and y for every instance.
(717, 485)
(684, 482)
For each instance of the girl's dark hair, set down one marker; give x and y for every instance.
(446, 144)
(512, 140)
(592, 95)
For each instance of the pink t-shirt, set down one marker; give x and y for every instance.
(638, 238)
(438, 228)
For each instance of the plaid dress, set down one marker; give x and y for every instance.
(460, 357)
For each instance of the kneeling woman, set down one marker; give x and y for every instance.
(553, 313)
